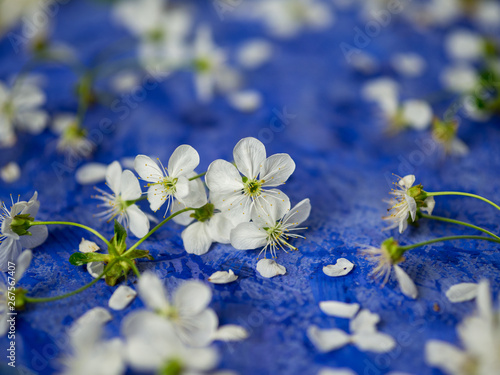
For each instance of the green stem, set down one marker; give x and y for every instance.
(463, 194)
(133, 266)
(50, 299)
(459, 223)
(156, 228)
(197, 176)
(93, 231)
(451, 238)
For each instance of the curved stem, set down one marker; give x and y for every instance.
(156, 228)
(50, 299)
(133, 266)
(460, 223)
(93, 231)
(197, 176)
(451, 238)
(463, 194)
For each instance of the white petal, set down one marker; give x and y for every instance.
(464, 45)
(245, 101)
(326, 340)
(192, 297)
(97, 315)
(408, 64)
(460, 78)
(183, 161)
(87, 246)
(405, 283)
(412, 207)
(445, 357)
(198, 330)
(138, 221)
(91, 173)
(407, 181)
(380, 88)
(22, 263)
(223, 277)
(130, 189)
(335, 371)
(32, 121)
(249, 155)
(27, 96)
(121, 297)
(230, 332)
(254, 53)
(148, 169)
(202, 360)
(339, 309)
(276, 169)
(223, 178)
(341, 268)
(483, 300)
(269, 268)
(183, 219)
(152, 292)
(247, 236)
(364, 322)
(156, 196)
(299, 213)
(462, 292)
(374, 342)
(430, 204)
(114, 177)
(10, 173)
(270, 206)
(196, 238)
(95, 269)
(459, 148)
(417, 114)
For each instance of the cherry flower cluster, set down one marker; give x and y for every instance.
(409, 204)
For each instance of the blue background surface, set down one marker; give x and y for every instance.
(344, 161)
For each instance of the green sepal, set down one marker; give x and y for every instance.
(136, 254)
(20, 294)
(117, 271)
(79, 259)
(203, 213)
(118, 245)
(21, 223)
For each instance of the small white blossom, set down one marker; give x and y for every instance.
(247, 197)
(464, 45)
(72, 138)
(126, 190)
(10, 173)
(273, 231)
(11, 244)
(188, 311)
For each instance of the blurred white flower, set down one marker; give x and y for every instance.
(247, 197)
(408, 64)
(480, 338)
(20, 109)
(10, 173)
(464, 45)
(188, 311)
(126, 190)
(273, 231)
(72, 138)
(11, 244)
(459, 78)
(254, 53)
(287, 18)
(172, 183)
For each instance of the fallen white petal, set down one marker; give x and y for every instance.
(406, 283)
(87, 246)
(364, 322)
(10, 173)
(269, 268)
(97, 315)
(230, 332)
(95, 268)
(326, 340)
(339, 309)
(462, 292)
(335, 371)
(121, 297)
(341, 268)
(222, 277)
(91, 173)
(254, 53)
(245, 101)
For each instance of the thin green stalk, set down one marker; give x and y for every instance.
(463, 194)
(198, 176)
(460, 223)
(133, 266)
(451, 238)
(93, 231)
(156, 228)
(50, 299)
